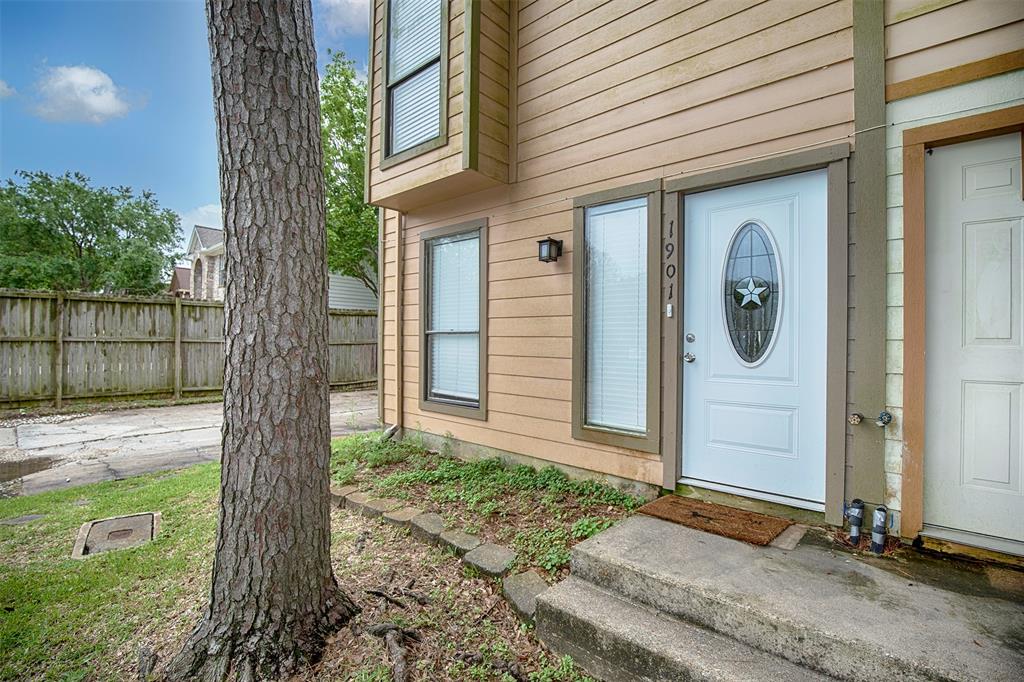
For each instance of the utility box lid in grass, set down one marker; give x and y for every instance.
(118, 532)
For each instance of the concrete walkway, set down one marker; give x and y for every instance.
(115, 445)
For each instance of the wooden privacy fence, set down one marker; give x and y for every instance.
(56, 347)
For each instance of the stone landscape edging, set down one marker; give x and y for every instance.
(520, 590)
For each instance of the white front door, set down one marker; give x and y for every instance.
(974, 364)
(754, 338)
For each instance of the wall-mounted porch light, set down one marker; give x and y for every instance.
(548, 250)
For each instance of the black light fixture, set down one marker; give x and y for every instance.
(548, 250)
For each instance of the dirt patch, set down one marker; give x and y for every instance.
(465, 627)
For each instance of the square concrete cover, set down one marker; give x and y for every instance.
(117, 532)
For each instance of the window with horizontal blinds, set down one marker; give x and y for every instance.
(453, 326)
(413, 73)
(615, 277)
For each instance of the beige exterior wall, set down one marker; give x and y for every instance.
(213, 288)
(926, 36)
(609, 94)
(494, 61)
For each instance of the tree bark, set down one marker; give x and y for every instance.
(274, 599)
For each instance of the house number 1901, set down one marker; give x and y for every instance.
(670, 267)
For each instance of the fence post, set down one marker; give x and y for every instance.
(58, 355)
(177, 347)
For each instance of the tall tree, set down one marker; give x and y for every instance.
(61, 233)
(351, 223)
(274, 599)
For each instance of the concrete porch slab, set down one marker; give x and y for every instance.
(616, 640)
(812, 605)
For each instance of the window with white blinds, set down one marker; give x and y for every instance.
(413, 73)
(453, 326)
(615, 279)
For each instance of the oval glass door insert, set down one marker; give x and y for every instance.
(752, 292)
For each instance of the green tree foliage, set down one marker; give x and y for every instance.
(351, 223)
(60, 233)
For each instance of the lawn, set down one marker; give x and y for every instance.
(70, 620)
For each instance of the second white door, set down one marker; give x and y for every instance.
(754, 339)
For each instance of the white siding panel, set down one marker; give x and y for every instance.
(349, 293)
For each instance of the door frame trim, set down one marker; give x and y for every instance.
(917, 141)
(834, 158)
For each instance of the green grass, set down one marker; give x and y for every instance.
(62, 618)
(367, 451)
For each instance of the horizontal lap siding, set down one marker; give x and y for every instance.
(925, 36)
(389, 295)
(612, 93)
(446, 160)
(493, 132)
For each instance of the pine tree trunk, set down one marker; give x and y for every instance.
(274, 599)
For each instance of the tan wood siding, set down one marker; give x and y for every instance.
(388, 297)
(609, 94)
(926, 36)
(492, 117)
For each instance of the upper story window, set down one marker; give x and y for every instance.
(415, 76)
(454, 304)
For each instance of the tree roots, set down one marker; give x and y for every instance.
(222, 648)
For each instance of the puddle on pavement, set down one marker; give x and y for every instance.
(12, 470)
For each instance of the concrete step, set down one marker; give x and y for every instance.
(615, 640)
(812, 606)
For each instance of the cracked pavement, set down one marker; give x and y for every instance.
(114, 445)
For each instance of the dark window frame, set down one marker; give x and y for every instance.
(427, 402)
(388, 158)
(650, 440)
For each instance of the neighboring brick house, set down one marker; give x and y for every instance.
(205, 255)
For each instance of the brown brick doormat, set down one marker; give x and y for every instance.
(757, 529)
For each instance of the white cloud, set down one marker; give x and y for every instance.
(79, 93)
(6, 90)
(207, 215)
(346, 17)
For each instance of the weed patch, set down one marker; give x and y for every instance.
(541, 513)
(547, 548)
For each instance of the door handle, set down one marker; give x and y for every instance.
(689, 357)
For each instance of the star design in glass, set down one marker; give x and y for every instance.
(751, 293)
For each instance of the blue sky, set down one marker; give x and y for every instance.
(121, 91)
